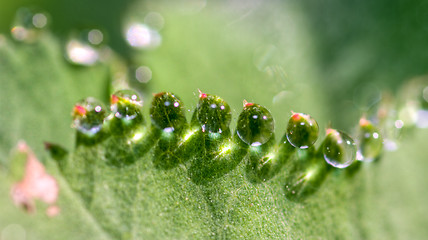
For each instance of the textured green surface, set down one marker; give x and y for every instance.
(384, 200)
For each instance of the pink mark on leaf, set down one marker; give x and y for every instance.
(35, 185)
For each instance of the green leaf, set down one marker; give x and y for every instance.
(117, 190)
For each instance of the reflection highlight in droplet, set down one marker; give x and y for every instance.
(143, 74)
(81, 54)
(142, 36)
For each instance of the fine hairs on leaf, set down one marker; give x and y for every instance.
(114, 149)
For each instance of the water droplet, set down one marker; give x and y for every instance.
(302, 130)
(83, 47)
(339, 149)
(370, 142)
(255, 125)
(214, 114)
(88, 116)
(126, 107)
(142, 36)
(167, 112)
(143, 74)
(28, 24)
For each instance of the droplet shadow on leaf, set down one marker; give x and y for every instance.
(306, 176)
(215, 155)
(125, 150)
(172, 149)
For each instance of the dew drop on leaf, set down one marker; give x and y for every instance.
(339, 149)
(88, 116)
(28, 24)
(214, 114)
(302, 130)
(126, 109)
(255, 125)
(370, 142)
(167, 112)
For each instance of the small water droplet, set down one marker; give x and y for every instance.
(302, 130)
(126, 107)
(339, 149)
(28, 24)
(167, 112)
(214, 114)
(142, 36)
(143, 74)
(370, 142)
(88, 116)
(255, 125)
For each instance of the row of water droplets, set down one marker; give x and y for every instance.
(255, 125)
(87, 47)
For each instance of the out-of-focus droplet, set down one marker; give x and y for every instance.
(339, 149)
(302, 130)
(142, 36)
(255, 124)
(81, 54)
(154, 20)
(83, 47)
(28, 24)
(143, 74)
(214, 114)
(95, 36)
(370, 141)
(88, 116)
(167, 112)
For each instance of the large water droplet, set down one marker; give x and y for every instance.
(214, 114)
(167, 112)
(255, 125)
(126, 108)
(370, 142)
(83, 47)
(88, 116)
(28, 24)
(142, 36)
(339, 149)
(302, 130)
